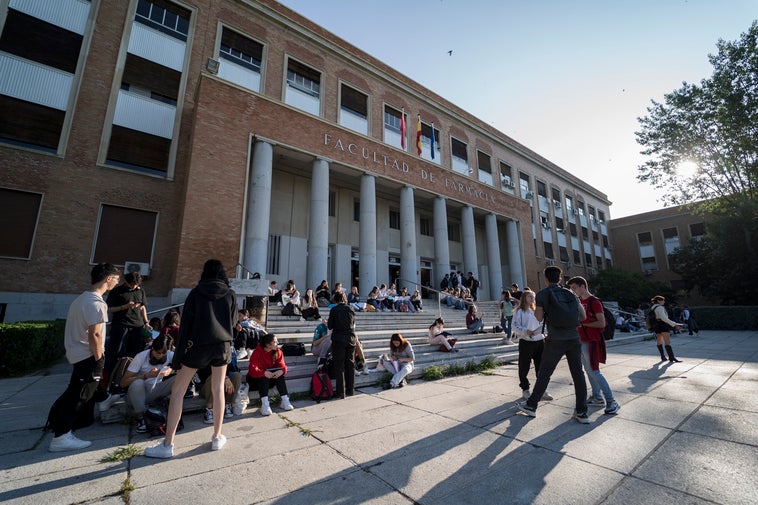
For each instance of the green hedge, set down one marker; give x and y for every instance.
(735, 317)
(29, 346)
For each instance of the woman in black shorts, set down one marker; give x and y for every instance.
(205, 339)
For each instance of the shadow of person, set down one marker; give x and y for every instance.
(643, 380)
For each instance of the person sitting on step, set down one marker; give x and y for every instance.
(399, 361)
(267, 368)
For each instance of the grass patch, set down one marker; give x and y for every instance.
(292, 424)
(435, 372)
(126, 490)
(122, 454)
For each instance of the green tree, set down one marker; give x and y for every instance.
(627, 288)
(715, 125)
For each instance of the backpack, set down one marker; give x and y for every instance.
(563, 310)
(321, 385)
(155, 420)
(293, 349)
(291, 310)
(610, 320)
(117, 374)
(402, 308)
(651, 320)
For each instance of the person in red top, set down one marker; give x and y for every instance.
(593, 345)
(267, 368)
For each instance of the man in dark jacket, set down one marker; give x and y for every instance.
(342, 323)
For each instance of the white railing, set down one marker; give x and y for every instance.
(68, 14)
(145, 115)
(355, 122)
(158, 47)
(34, 83)
(239, 75)
(303, 101)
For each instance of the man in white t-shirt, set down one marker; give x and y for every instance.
(84, 339)
(149, 377)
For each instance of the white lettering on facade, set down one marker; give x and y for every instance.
(367, 153)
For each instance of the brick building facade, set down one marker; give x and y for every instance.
(161, 133)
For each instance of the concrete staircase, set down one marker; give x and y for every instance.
(374, 330)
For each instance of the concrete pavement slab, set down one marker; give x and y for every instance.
(733, 399)
(716, 470)
(657, 411)
(634, 491)
(725, 424)
(540, 477)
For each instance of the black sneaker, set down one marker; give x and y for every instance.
(526, 409)
(581, 418)
(141, 426)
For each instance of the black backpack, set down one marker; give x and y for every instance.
(563, 309)
(651, 320)
(610, 320)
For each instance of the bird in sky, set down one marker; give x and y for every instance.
(450, 52)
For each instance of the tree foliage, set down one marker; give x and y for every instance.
(715, 125)
(626, 288)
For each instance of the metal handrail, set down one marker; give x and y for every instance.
(428, 288)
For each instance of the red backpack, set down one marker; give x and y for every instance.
(321, 385)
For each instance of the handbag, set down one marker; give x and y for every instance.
(241, 399)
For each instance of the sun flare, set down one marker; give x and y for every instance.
(686, 169)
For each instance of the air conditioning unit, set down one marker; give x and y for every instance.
(212, 65)
(560, 230)
(529, 195)
(557, 204)
(575, 212)
(549, 262)
(134, 266)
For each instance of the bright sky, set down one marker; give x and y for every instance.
(566, 78)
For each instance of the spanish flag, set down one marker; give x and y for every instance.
(418, 135)
(403, 132)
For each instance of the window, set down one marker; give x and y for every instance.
(240, 60)
(647, 252)
(115, 223)
(19, 213)
(425, 228)
(392, 134)
(303, 87)
(599, 261)
(556, 198)
(564, 255)
(427, 152)
(485, 168)
(585, 233)
(588, 260)
(549, 251)
(524, 186)
(459, 156)
(577, 257)
(601, 216)
(164, 17)
(454, 232)
(591, 211)
(697, 230)
(580, 207)
(272, 254)
(332, 204)
(670, 240)
(559, 226)
(595, 235)
(353, 109)
(356, 210)
(569, 205)
(394, 220)
(506, 178)
(541, 189)
(572, 229)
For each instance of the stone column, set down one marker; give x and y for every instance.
(514, 254)
(408, 258)
(258, 208)
(441, 242)
(318, 225)
(493, 257)
(367, 236)
(468, 237)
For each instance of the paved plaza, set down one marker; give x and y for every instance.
(686, 433)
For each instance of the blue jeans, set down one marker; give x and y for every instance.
(551, 355)
(507, 324)
(596, 378)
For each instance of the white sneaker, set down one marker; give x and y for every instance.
(218, 443)
(228, 411)
(160, 450)
(546, 397)
(526, 394)
(265, 408)
(286, 405)
(67, 442)
(208, 416)
(242, 354)
(109, 402)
